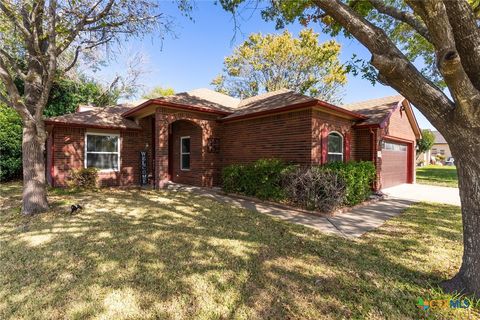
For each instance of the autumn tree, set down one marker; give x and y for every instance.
(159, 91)
(426, 142)
(270, 62)
(444, 36)
(41, 39)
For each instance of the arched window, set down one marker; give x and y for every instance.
(335, 147)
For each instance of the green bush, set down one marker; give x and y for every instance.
(321, 188)
(10, 144)
(85, 178)
(315, 188)
(261, 179)
(358, 176)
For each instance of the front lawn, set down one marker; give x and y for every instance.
(438, 175)
(173, 255)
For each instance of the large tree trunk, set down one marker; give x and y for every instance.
(466, 150)
(34, 182)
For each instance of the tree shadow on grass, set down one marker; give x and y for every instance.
(147, 254)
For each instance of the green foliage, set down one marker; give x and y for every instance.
(416, 48)
(84, 178)
(314, 188)
(67, 94)
(10, 144)
(65, 97)
(426, 142)
(265, 63)
(159, 92)
(321, 188)
(261, 179)
(358, 176)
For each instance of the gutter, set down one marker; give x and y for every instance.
(81, 125)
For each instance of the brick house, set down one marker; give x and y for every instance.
(189, 137)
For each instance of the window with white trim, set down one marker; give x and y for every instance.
(335, 147)
(185, 153)
(102, 151)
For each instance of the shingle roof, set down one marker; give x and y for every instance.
(438, 137)
(203, 98)
(375, 109)
(270, 101)
(110, 117)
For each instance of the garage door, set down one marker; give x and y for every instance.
(394, 164)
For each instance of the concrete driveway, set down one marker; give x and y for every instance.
(426, 193)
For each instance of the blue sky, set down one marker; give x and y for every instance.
(192, 56)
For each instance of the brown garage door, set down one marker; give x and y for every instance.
(394, 164)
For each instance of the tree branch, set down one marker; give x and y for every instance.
(392, 64)
(14, 101)
(86, 20)
(4, 6)
(434, 14)
(467, 37)
(49, 73)
(5, 55)
(402, 16)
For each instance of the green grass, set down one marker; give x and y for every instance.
(438, 175)
(147, 254)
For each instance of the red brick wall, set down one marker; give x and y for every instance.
(69, 153)
(285, 136)
(322, 125)
(362, 148)
(207, 164)
(197, 165)
(399, 126)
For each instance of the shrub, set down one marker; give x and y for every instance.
(315, 188)
(440, 157)
(261, 179)
(10, 144)
(85, 178)
(358, 176)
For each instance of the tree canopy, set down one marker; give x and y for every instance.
(426, 142)
(270, 62)
(159, 91)
(65, 96)
(42, 40)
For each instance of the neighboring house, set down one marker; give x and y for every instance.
(440, 147)
(189, 137)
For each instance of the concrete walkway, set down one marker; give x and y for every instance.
(350, 224)
(424, 193)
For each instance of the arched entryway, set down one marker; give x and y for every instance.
(185, 159)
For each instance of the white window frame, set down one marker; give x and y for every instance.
(104, 152)
(336, 153)
(182, 153)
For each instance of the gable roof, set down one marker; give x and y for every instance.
(105, 117)
(375, 109)
(439, 138)
(270, 101)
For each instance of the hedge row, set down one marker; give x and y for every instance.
(321, 188)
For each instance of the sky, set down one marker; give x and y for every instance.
(192, 54)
